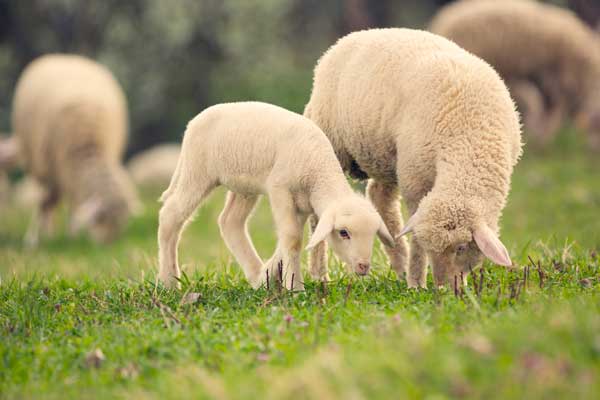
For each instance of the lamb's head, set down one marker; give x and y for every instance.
(104, 214)
(456, 237)
(350, 226)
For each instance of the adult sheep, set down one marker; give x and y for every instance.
(548, 57)
(423, 118)
(153, 168)
(70, 124)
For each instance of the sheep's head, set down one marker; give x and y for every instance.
(350, 227)
(102, 220)
(588, 121)
(104, 215)
(455, 237)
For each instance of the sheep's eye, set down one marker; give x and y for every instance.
(344, 234)
(461, 248)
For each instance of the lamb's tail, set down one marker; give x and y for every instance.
(9, 153)
(174, 179)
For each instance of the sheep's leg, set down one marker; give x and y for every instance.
(42, 219)
(318, 255)
(234, 230)
(417, 267)
(386, 199)
(289, 233)
(178, 207)
(539, 123)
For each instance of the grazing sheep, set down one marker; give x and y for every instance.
(70, 123)
(425, 119)
(549, 58)
(8, 160)
(255, 148)
(154, 167)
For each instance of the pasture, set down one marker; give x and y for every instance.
(82, 321)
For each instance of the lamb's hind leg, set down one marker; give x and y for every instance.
(178, 207)
(386, 199)
(234, 230)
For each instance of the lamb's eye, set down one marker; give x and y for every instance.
(461, 248)
(344, 234)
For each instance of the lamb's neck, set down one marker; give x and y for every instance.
(326, 192)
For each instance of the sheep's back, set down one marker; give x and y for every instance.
(64, 104)
(517, 37)
(375, 89)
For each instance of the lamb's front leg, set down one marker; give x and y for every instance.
(290, 226)
(318, 255)
(386, 199)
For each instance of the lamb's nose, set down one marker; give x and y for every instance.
(363, 268)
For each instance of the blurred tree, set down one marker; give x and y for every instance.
(176, 57)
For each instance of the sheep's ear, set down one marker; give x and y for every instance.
(84, 215)
(410, 225)
(9, 152)
(491, 246)
(324, 228)
(384, 235)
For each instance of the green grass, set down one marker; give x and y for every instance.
(507, 336)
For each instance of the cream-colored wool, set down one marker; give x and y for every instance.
(154, 167)
(252, 149)
(70, 122)
(425, 119)
(549, 58)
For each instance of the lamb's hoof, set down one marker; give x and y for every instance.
(169, 282)
(321, 277)
(259, 280)
(416, 285)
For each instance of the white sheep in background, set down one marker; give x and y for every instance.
(252, 149)
(425, 119)
(70, 124)
(549, 58)
(154, 167)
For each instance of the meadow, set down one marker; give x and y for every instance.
(79, 320)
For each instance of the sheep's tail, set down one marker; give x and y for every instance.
(9, 153)
(174, 179)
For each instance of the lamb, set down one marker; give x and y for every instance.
(255, 148)
(70, 125)
(154, 167)
(424, 119)
(549, 58)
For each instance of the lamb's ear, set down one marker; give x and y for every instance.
(384, 235)
(410, 224)
(324, 228)
(491, 246)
